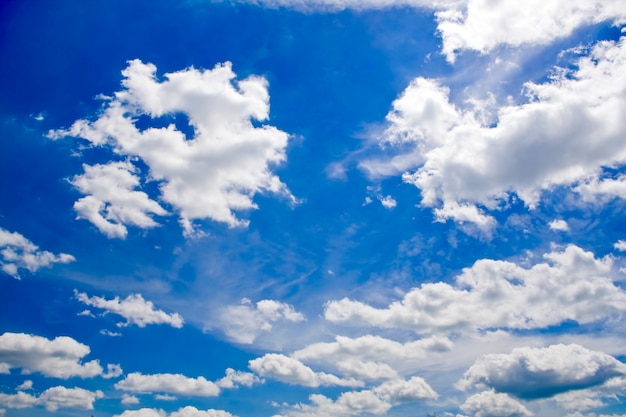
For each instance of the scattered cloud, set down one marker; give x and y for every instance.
(133, 308)
(620, 245)
(211, 175)
(234, 379)
(58, 358)
(112, 201)
(128, 399)
(578, 110)
(188, 411)
(243, 323)
(559, 225)
(491, 404)
(571, 285)
(53, 399)
(168, 383)
(542, 372)
(17, 252)
(292, 371)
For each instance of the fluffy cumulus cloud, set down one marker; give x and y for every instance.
(112, 200)
(133, 308)
(59, 358)
(542, 372)
(292, 371)
(371, 357)
(210, 175)
(243, 323)
(571, 285)
(578, 110)
(18, 252)
(53, 399)
(188, 411)
(235, 379)
(169, 384)
(491, 404)
(374, 401)
(559, 225)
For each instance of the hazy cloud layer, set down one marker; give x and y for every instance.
(211, 175)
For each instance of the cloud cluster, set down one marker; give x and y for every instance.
(243, 323)
(377, 400)
(53, 399)
(292, 371)
(572, 285)
(491, 404)
(133, 308)
(18, 252)
(568, 131)
(210, 175)
(58, 358)
(168, 383)
(531, 373)
(188, 411)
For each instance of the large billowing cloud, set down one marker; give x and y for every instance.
(571, 285)
(568, 131)
(59, 358)
(210, 175)
(377, 400)
(53, 399)
(542, 372)
(169, 384)
(292, 371)
(18, 252)
(134, 309)
(243, 323)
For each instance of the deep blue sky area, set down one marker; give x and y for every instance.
(312, 208)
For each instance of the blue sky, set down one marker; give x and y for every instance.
(313, 208)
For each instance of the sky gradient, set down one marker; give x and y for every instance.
(275, 208)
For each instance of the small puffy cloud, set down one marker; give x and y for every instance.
(369, 357)
(53, 399)
(542, 372)
(620, 245)
(112, 201)
(375, 401)
(292, 371)
(168, 383)
(17, 252)
(243, 323)
(128, 399)
(211, 175)
(188, 411)
(234, 379)
(481, 25)
(491, 404)
(579, 110)
(58, 358)
(571, 285)
(26, 385)
(559, 225)
(133, 308)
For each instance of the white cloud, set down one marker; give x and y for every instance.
(188, 411)
(579, 111)
(375, 401)
(482, 25)
(234, 379)
(212, 175)
(168, 383)
(59, 358)
(595, 397)
(338, 5)
(292, 371)
(165, 397)
(128, 399)
(559, 225)
(571, 285)
(26, 385)
(53, 399)
(620, 245)
(370, 357)
(18, 252)
(491, 404)
(133, 308)
(243, 323)
(112, 200)
(542, 372)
